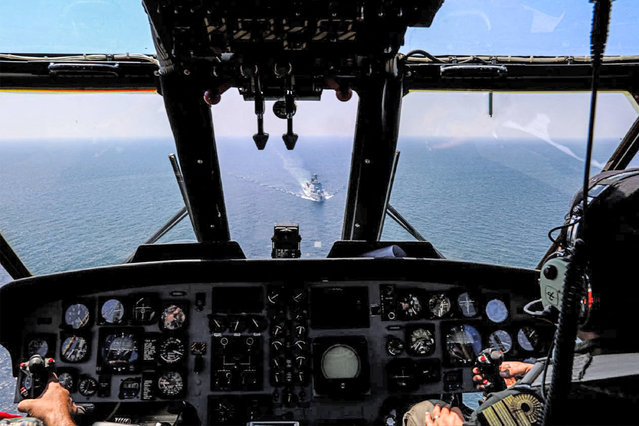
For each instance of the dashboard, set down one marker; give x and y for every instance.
(335, 341)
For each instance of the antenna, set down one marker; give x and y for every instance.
(598, 38)
(566, 333)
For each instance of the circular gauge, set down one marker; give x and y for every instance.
(112, 311)
(172, 350)
(170, 384)
(66, 381)
(87, 386)
(496, 310)
(257, 324)
(74, 349)
(501, 340)
(439, 304)
(409, 306)
(528, 338)
(37, 346)
(340, 362)
(468, 305)
(394, 346)
(77, 315)
(237, 325)
(463, 343)
(27, 382)
(422, 342)
(217, 324)
(144, 310)
(173, 317)
(119, 351)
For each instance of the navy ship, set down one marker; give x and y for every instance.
(313, 189)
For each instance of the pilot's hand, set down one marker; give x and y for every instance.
(443, 416)
(510, 371)
(54, 407)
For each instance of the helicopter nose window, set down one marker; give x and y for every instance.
(484, 176)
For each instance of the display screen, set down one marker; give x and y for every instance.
(340, 362)
(339, 307)
(237, 300)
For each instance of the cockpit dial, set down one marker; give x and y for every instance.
(173, 317)
(421, 342)
(144, 310)
(87, 386)
(501, 340)
(528, 338)
(172, 350)
(74, 349)
(439, 305)
(218, 324)
(77, 315)
(112, 311)
(119, 351)
(170, 384)
(463, 343)
(340, 362)
(496, 310)
(409, 306)
(468, 305)
(66, 381)
(37, 346)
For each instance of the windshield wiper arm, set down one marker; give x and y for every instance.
(401, 221)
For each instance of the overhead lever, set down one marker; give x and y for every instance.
(260, 138)
(290, 138)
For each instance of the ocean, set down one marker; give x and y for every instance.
(77, 204)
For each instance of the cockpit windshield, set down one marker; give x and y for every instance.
(85, 179)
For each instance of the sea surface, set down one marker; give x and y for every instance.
(77, 204)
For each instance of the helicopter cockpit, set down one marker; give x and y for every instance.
(196, 333)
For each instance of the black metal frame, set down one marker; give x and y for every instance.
(380, 89)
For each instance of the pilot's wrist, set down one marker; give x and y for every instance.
(58, 419)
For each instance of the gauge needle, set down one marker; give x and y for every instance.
(66, 348)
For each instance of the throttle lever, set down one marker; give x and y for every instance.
(488, 362)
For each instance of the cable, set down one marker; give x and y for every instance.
(556, 228)
(543, 376)
(423, 53)
(81, 58)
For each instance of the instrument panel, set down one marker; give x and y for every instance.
(315, 350)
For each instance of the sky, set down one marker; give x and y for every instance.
(518, 27)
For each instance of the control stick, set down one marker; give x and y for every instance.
(488, 362)
(36, 372)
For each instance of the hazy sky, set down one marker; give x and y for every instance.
(517, 27)
(129, 115)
